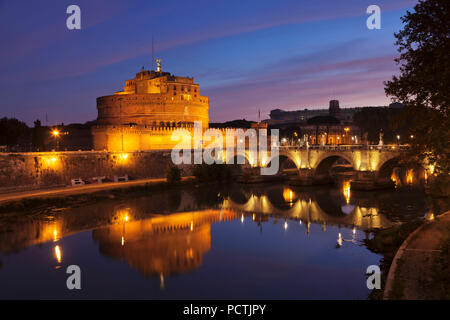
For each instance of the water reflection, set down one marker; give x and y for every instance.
(163, 235)
(163, 245)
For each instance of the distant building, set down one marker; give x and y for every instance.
(280, 117)
(330, 126)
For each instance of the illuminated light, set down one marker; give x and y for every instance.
(242, 218)
(354, 230)
(123, 157)
(49, 161)
(431, 167)
(288, 195)
(123, 240)
(55, 235)
(192, 225)
(253, 217)
(346, 129)
(58, 254)
(429, 216)
(285, 225)
(300, 222)
(394, 179)
(55, 133)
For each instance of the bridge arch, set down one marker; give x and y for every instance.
(326, 161)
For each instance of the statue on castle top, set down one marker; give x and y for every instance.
(158, 65)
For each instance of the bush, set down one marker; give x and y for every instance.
(173, 174)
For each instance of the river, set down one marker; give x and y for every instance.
(205, 242)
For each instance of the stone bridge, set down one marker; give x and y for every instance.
(373, 164)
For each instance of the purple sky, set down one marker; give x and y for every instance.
(246, 55)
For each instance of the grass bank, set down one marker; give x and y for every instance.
(387, 242)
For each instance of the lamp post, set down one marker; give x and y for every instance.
(55, 133)
(398, 139)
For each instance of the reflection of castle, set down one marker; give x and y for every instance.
(144, 115)
(162, 245)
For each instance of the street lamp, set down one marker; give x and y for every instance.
(398, 139)
(56, 133)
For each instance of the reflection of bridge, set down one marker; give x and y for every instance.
(373, 164)
(307, 210)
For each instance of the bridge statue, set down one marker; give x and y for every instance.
(365, 139)
(322, 137)
(380, 143)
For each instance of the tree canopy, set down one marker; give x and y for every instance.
(424, 80)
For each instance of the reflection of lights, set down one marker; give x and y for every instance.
(242, 218)
(55, 235)
(409, 176)
(354, 230)
(161, 281)
(126, 218)
(192, 225)
(58, 254)
(339, 240)
(123, 240)
(285, 225)
(253, 217)
(300, 222)
(346, 191)
(394, 178)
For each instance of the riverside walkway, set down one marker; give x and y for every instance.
(413, 268)
(73, 190)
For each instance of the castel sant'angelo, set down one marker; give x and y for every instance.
(144, 115)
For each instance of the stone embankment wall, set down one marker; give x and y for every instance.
(26, 171)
